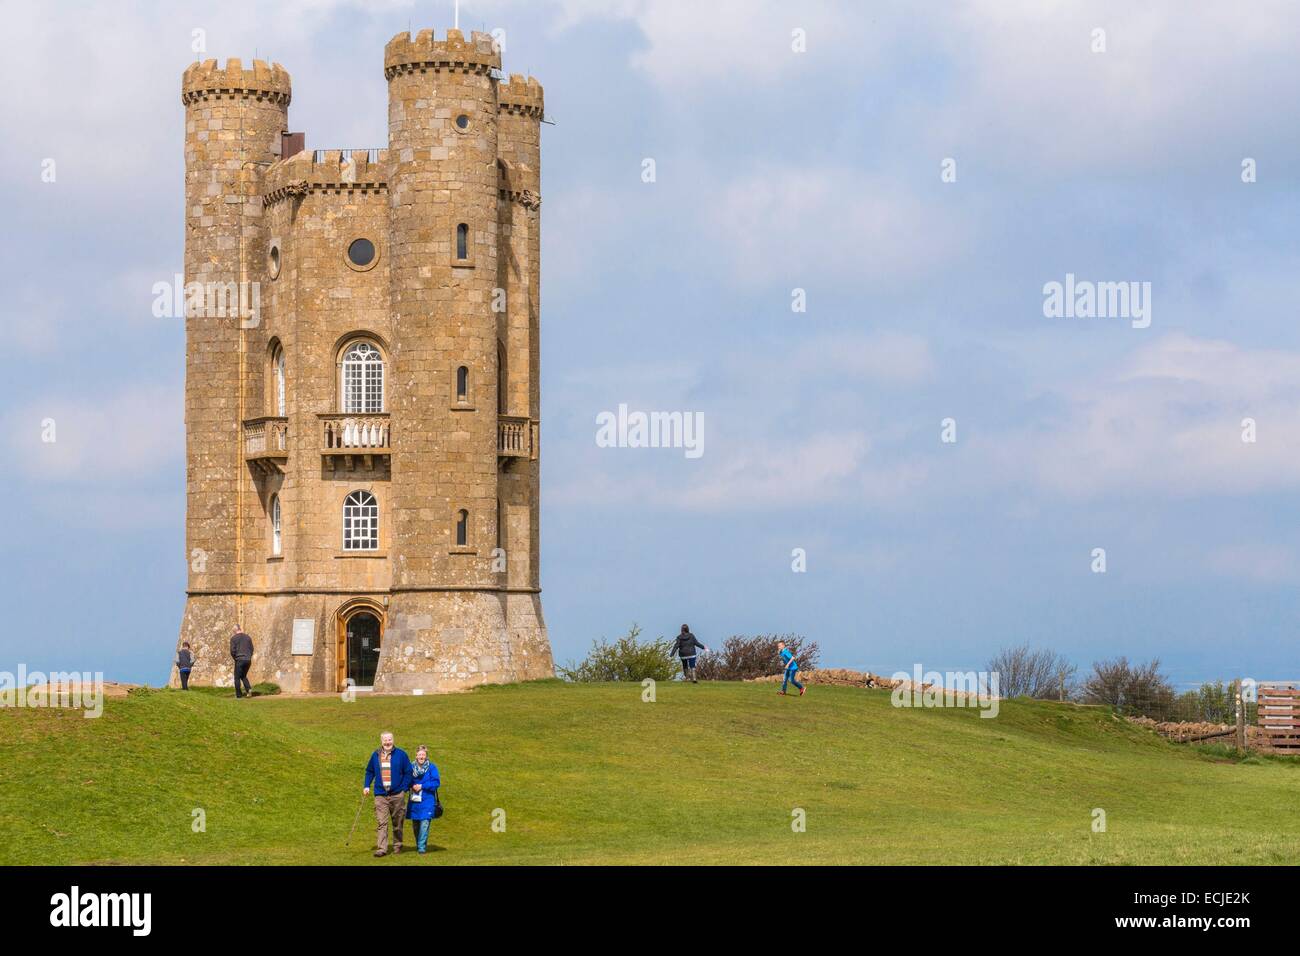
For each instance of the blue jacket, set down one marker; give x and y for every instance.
(400, 770)
(429, 783)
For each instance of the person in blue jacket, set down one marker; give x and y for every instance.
(424, 796)
(389, 770)
(791, 668)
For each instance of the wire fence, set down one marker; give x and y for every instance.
(1207, 702)
(1243, 712)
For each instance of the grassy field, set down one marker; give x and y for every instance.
(591, 774)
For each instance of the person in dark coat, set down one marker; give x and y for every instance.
(241, 651)
(185, 664)
(424, 796)
(685, 647)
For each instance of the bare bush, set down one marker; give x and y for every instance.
(1136, 690)
(1042, 674)
(744, 658)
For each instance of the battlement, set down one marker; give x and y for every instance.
(329, 170)
(205, 79)
(404, 54)
(518, 183)
(520, 96)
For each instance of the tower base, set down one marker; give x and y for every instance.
(433, 642)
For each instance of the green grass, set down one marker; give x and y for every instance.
(591, 774)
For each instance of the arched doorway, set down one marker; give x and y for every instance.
(360, 634)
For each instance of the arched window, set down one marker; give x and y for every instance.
(462, 384)
(462, 240)
(281, 404)
(462, 528)
(360, 522)
(363, 379)
(275, 525)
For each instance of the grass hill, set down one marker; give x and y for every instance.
(591, 774)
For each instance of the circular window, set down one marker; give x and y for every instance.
(361, 253)
(273, 260)
(462, 122)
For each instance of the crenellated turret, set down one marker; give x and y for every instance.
(442, 190)
(521, 108)
(233, 120)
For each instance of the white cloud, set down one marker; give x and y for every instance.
(1167, 421)
(1256, 561)
(108, 441)
(817, 223)
(1034, 96)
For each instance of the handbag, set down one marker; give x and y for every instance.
(437, 805)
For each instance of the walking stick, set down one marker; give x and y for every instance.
(355, 819)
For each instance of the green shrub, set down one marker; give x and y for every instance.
(744, 658)
(626, 659)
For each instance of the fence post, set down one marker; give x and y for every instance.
(1241, 720)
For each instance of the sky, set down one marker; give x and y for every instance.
(796, 146)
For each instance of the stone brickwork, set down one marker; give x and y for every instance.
(463, 151)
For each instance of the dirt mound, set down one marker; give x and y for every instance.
(838, 676)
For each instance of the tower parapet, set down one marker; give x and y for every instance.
(521, 96)
(404, 54)
(330, 170)
(206, 79)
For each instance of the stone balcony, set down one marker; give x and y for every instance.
(266, 444)
(356, 438)
(516, 437)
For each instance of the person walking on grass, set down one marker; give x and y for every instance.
(185, 664)
(685, 647)
(791, 664)
(389, 771)
(241, 651)
(424, 796)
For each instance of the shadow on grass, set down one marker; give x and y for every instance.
(1227, 753)
(265, 689)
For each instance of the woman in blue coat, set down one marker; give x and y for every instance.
(424, 796)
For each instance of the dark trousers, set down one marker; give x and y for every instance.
(241, 678)
(185, 679)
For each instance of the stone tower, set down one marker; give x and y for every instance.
(362, 425)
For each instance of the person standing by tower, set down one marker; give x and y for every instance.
(791, 668)
(185, 664)
(685, 647)
(241, 651)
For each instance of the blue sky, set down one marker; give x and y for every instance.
(775, 170)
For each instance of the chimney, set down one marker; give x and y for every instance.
(292, 143)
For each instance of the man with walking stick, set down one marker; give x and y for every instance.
(389, 771)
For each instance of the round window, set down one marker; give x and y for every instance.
(274, 260)
(361, 253)
(462, 121)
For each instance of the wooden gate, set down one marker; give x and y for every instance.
(1279, 715)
